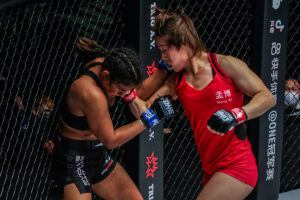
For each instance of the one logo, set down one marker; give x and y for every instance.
(152, 165)
(276, 4)
(279, 25)
(151, 69)
(167, 107)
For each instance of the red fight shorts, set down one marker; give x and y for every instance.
(243, 167)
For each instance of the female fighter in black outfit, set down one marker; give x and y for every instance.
(82, 163)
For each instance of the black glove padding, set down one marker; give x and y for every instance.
(161, 108)
(222, 121)
(241, 131)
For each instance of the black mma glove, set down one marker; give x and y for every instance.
(161, 108)
(223, 121)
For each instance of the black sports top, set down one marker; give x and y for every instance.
(80, 122)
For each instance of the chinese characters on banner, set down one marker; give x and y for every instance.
(276, 28)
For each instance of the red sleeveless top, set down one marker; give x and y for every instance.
(216, 152)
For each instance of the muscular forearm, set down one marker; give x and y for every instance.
(259, 104)
(129, 131)
(151, 84)
(125, 133)
(137, 107)
(164, 90)
(161, 108)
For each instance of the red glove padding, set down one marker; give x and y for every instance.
(239, 114)
(131, 96)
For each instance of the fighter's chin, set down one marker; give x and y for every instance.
(176, 69)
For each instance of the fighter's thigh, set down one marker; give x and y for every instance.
(117, 185)
(72, 193)
(225, 187)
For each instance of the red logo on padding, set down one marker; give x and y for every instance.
(151, 69)
(152, 165)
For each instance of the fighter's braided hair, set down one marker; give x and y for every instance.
(122, 63)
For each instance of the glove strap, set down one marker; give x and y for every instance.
(131, 96)
(239, 114)
(149, 118)
(163, 65)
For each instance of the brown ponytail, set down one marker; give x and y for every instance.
(87, 49)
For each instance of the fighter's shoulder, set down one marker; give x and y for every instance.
(225, 60)
(229, 63)
(85, 89)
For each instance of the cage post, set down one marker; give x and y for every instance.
(269, 61)
(147, 153)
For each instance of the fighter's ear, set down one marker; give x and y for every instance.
(105, 74)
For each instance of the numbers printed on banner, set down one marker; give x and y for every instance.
(275, 50)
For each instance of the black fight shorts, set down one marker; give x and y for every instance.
(81, 162)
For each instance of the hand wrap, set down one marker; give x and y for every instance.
(161, 108)
(130, 97)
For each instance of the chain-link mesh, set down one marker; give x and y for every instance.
(36, 60)
(290, 170)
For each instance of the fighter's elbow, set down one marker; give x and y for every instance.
(109, 144)
(273, 101)
(270, 99)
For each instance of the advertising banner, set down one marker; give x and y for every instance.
(150, 142)
(270, 47)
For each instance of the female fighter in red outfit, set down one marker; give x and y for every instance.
(210, 88)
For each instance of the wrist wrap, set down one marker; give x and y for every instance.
(239, 114)
(131, 96)
(149, 118)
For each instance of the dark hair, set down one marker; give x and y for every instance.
(122, 63)
(178, 29)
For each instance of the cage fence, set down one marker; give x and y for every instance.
(37, 61)
(290, 171)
